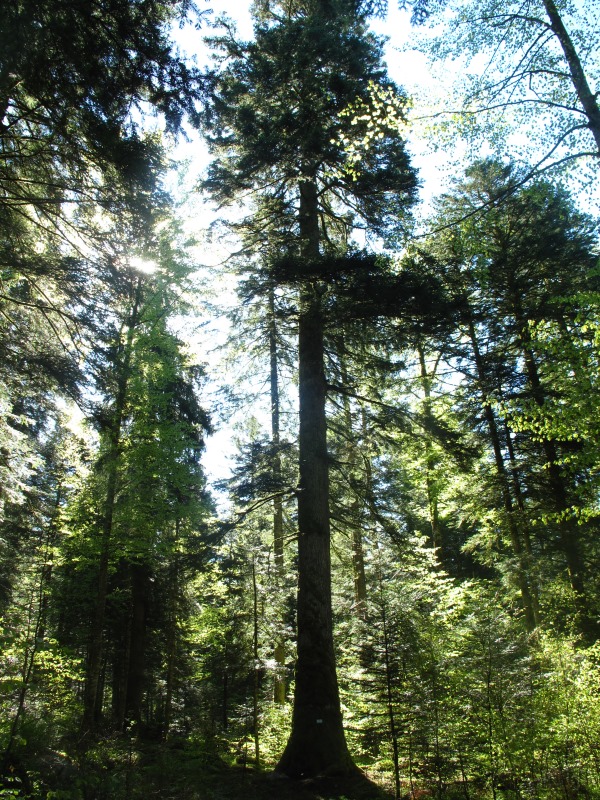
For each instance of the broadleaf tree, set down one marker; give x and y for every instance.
(526, 67)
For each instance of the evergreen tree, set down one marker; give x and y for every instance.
(280, 124)
(71, 159)
(145, 497)
(509, 278)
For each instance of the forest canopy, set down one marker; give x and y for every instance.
(393, 592)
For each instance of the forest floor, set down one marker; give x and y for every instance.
(113, 771)
(237, 783)
(218, 781)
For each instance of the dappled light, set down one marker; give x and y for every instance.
(299, 418)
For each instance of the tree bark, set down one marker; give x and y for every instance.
(275, 433)
(256, 682)
(528, 597)
(317, 745)
(280, 683)
(137, 642)
(430, 460)
(95, 648)
(172, 632)
(586, 97)
(358, 489)
(120, 638)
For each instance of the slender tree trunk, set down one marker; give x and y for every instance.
(275, 433)
(430, 460)
(389, 686)
(356, 508)
(95, 649)
(256, 681)
(137, 642)
(225, 696)
(529, 600)
(518, 491)
(390, 706)
(358, 567)
(317, 744)
(567, 527)
(120, 640)
(36, 629)
(280, 684)
(171, 634)
(587, 98)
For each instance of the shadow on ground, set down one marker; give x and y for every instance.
(252, 786)
(120, 769)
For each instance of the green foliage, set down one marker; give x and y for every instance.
(511, 282)
(255, 130)
(516, 70)
(477, 706)
(568, 352)
(462, 417)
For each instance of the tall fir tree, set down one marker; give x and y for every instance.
(284, 124)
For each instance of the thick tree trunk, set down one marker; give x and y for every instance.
(120, 659)
(95, 649)
(317, 745)
(120, 639)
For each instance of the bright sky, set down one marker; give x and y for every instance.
(406, 67)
